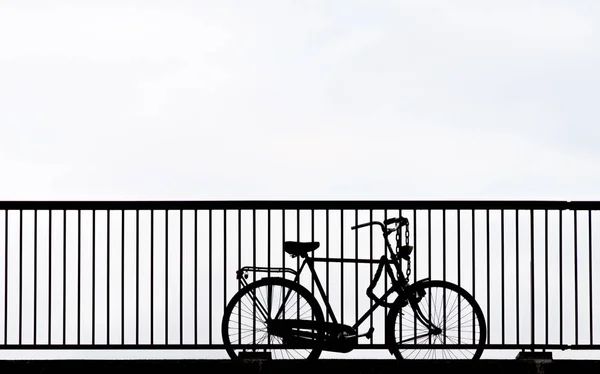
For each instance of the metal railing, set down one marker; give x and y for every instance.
(158, 274)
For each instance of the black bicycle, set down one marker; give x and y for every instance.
(278, 318)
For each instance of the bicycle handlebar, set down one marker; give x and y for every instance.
(400, 220)
(367, 224)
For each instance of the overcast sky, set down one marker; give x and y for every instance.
(299, 99)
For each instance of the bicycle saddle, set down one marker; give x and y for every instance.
(299, 248)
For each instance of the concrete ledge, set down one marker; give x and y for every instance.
(319, 366)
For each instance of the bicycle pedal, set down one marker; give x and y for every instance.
(368, 334)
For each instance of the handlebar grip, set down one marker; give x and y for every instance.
(401, 220)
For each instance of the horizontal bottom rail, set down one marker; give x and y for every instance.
(265, 346)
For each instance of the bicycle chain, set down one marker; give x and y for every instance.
(406, 240)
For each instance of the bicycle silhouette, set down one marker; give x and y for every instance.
(278, 318)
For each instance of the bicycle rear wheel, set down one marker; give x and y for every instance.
(441, 321)
(247, 326)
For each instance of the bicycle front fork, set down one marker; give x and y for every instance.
(414, 304)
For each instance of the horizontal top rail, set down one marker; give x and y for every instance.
(301, 204)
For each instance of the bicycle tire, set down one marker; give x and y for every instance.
(406, 335)
(243, 306)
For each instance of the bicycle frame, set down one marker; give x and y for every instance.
(389, 264)
(397, 286)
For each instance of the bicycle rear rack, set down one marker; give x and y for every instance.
(242, 274)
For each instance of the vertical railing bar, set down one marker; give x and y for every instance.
(371, 266)
(502, 271)
(239, 215)
(79, 276)
(107, 277)
(122, 276)
(93, 277)
(546, 271)
(342, 265)
(429, 263)
(415, 252)
(181, 276)
(35, 273)
(50, 278)
(532, 269)
(473, 266)
(399, 243)
(254, 264)
(414, 271)
(487, 259)
(444, 266)
(151, 276)
(517, 272)
(576, 277)
(239, 211)
(166, 276)
(6, 276)
(137, 276)
(283, 240)
(64, 290)
(327, 256)
(312, 239)
(298, 235)
(269, 242)
(224, 258)
(560, 271)
(385, 276)
(590, 275)
(210, 263)
(196, 276)
(20, 276)
(268, 255)
(429, 243)
(356, 266)
(444, 247)
(283, 235)
(458, 268)
(298, 238)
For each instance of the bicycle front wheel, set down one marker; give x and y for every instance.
(436, 320)
(247, 326)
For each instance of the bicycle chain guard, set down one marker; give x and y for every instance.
(336, 337)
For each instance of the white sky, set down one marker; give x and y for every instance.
(299, 100)
(201, 100)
